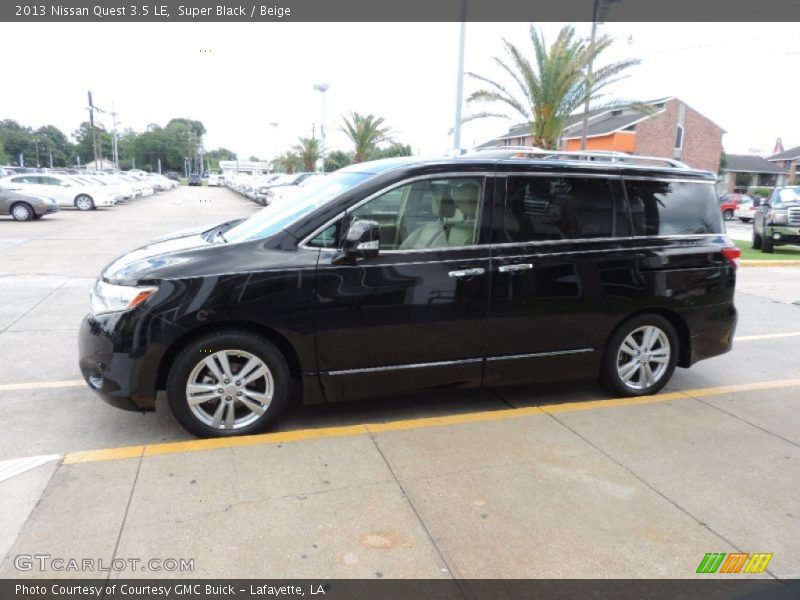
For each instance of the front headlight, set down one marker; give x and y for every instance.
(106, 297)
(779, 217)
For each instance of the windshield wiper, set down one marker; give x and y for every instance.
(219, 234)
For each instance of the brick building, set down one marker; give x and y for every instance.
(670, 128)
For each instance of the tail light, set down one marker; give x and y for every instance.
(732, 255)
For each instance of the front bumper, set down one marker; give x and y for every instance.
(119, 356)
(786, 234)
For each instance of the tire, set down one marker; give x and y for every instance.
(728, 215)
(767, 245)
(22, 211)
(84, 202)
(757, 240)
(744, 220)
(623, 372)
(231, 412)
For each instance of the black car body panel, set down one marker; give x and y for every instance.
(401, 321)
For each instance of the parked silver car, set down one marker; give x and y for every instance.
(25, 207)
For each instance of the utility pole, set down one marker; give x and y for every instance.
(94, 131)
(460, 78)
(114, 133)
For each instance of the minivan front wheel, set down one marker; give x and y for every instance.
(640, 357)
(228, 383)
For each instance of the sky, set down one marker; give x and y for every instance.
(240, 78)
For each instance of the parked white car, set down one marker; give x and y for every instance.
(281, 193)
(746, 211)
(214, 180)
(67, 190)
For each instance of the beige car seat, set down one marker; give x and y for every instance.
(466, 197)
(432, 234)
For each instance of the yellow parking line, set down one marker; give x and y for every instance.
(405, 424)
(38, 385)
(750, 262)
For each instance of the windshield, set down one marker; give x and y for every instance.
(276, 217)
(787, 195)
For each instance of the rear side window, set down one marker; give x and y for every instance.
(673, 208)
(556, 208)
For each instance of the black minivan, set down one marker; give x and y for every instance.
(510, 266)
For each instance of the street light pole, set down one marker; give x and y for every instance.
(599, 10)
(322, 87)
(585, 125)
(460, 78)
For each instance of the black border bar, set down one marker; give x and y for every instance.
(398, 10)
(716, 587)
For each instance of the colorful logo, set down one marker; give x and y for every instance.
(736, 562)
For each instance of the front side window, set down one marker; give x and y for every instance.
(430, 213)
(673, 208)
(556, 208)
(276, 217)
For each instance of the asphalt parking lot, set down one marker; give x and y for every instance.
(547, 481)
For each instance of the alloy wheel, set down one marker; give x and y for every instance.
(229, 389)
(643, 357)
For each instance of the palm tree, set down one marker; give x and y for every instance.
(555, 86)
(288, 162)
(366, 132)
(309, 151)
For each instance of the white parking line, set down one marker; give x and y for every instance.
(768, 336)
(34, 385)
(15, 466)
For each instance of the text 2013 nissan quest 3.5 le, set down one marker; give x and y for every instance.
(510, 266)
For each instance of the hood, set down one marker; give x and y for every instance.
(156, 258)
(159, 258)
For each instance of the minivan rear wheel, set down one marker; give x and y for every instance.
(228, 383)
(640, 356)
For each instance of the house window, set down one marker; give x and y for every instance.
(679, 138)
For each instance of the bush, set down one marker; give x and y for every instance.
(761, 192)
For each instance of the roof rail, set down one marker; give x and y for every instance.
(588, 155)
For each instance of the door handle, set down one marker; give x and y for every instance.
(467, 272)
(515, 268)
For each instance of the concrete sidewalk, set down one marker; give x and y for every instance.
(633, 490)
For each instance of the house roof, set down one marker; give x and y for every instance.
(790, 154)
(601, 122)
(608, 125)
(746, 163)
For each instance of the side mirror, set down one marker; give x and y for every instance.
(363, 240)
(65, 184)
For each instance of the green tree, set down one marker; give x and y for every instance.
(723, 161)
(309, 151)
(52, 141)
(214, 156)
(338, 159)
(17, 140)
(288, 163)
(743, 180)
(3, 155)
(366, 132)
(83, 147)
(552, 87)
(390, 152)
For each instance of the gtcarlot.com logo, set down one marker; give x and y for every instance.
(736, 562)
(47, 562)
